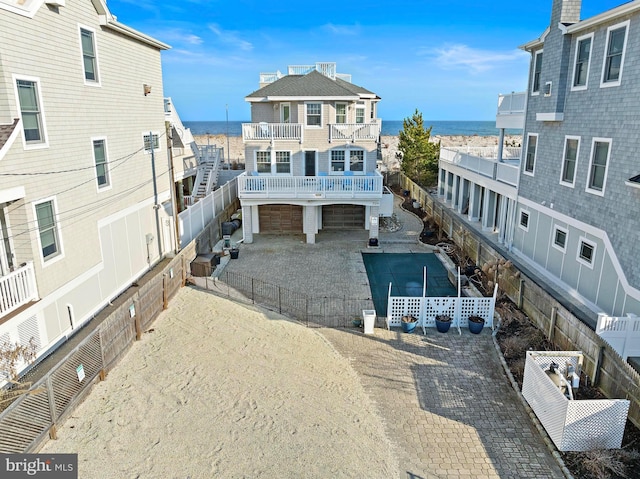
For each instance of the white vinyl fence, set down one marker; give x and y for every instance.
(622, 333)
(426, 308)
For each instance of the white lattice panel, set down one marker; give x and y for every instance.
(437, 306)
(572, 425)
(399, 306)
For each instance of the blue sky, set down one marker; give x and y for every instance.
(448, 58)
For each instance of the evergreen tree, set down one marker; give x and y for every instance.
(419, 154)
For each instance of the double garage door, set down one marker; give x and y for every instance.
(288, 218)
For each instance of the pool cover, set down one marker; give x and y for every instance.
(405, 272)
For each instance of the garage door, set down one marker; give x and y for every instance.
(343, 217)
(280, 218)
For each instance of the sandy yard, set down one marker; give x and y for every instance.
(217, 389)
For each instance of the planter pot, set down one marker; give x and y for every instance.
(476, 327)
(416, 205)
(442, 326)
(357, 322)
(234, 253)
(409, 327)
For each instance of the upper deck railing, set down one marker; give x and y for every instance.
(355, 131)
(484, 161)
(17, 289)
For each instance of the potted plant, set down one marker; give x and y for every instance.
(357, 322)
(409, 323)
(443, 323)
(476, 324)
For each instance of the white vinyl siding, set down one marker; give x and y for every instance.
(570, 160)
(31, 113)
(614, 54)
(582, 62)
(600, 152)
(89, 56)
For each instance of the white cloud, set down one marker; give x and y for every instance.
(179, 37)
(475, 60)
(230, 38)
(342, 29)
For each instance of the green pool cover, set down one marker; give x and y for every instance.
(405, 272)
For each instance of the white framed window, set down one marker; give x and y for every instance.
(356, 160)
(537, 70)
(89, 50)
(263, 161)
(48, 230)
(34, 133)
(100, 160)
(283, 162)
(285, 112)
(341, 113)
(360, 111)
(560, 238)
(582, 61)
(524, 220)
(530, 157)
(598, 163)
(614, 53)
(150, 140)
(586, 252)
(314, 114)
(570, 160)
(337, 160)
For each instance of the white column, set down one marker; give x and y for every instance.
(500, 145)
(374, 218)
(247, 224)
(310, 223)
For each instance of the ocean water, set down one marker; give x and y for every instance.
(389, 128)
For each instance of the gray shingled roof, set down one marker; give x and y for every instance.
(5, 132)
(312, 84)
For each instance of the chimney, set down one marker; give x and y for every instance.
(566, 11)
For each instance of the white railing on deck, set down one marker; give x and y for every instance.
(483, 160)
(326, 68)
(622, 333)
(491, 152)
(310, 187)
(17, 289)
(354, 131)
(272, 131)
(512, 103)
(507, 173)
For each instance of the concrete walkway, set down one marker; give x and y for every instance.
(445, 399)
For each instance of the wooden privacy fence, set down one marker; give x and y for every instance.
(602, 364)
(315, 312)
(25, 424)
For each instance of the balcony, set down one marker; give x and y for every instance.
(271, 131)
(354, 132)
(17, 289)
(484, 161)
(310, 187)
(511, 109)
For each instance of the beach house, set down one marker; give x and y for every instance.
(85, 202)
(572, 208)
(311, 154)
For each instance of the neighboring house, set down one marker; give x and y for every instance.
(578, 190)
(310, 153)
(82, 131)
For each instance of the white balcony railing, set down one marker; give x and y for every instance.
(310, 187)
(512, 103)
(17, 289)
(271, 131)
(354, 131)
(484, 161)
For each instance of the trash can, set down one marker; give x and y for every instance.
(369, 317)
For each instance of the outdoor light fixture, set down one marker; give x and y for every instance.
(147, 89)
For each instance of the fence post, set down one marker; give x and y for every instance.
(596, 368)
(52, 409)
(521, 294)
(136, 321)
(552, 326)
(184, 271)
(253, 299)
(165, 292)
(478, 252)
(279, 299)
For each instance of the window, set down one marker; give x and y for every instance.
(47, 227)
(341, 112)
(560, 238)
(360, 113)
(263, 161)
(30, 111)
(314, 114)
(571, 145)
(356, 160)
(586, 252)
(89, 58)
(149, 140)
(598, 165)
(283, 162)
(530, 160)
(537, 69)
(285, 113)
(583, 57)
(524, 220)
(337, 160)
(614, 55)
(100, 157)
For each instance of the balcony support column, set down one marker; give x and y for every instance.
(475, 202)
(247, 224)
(500, 145)
(489, 210)
(372, 220)
(310, 222)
